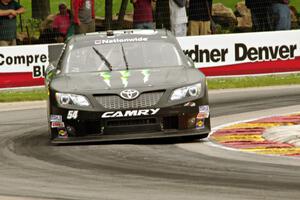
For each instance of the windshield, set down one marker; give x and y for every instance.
(120, 56)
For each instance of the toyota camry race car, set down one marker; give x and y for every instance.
(122, 85)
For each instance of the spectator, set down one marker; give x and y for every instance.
(178, 17)
(295, 23)
(200, 17)
(62, 22)
(84, 15)
(162, 14)
(9, 9)
(281, 15)
(142, 16)
(261, 13)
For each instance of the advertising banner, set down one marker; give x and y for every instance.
(214, 55)
(23, 66)
(246, 53)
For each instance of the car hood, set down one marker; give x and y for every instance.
(142, 78)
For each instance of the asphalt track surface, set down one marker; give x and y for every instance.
(30, 168)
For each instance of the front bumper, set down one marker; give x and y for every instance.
(190, 119)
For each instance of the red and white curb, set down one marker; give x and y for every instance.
(275, 135)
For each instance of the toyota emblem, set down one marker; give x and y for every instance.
(129, 94)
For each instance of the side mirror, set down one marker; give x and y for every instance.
(50, 70)
(190, 61)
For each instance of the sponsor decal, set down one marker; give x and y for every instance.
(106, 78)
(124, 77)
(120, 40)
(200, 123)
(130, 113)
(62, 133)
(72, 114)
(57, 124)
(203, 112)
(55, 118)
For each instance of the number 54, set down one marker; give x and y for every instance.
(72, 114)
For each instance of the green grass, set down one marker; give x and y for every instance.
(213, 83)
(28, 95)
(253, 81)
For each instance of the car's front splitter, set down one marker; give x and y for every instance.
(194, 133)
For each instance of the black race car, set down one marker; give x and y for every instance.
(122, 85)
